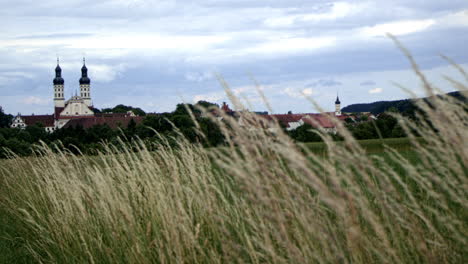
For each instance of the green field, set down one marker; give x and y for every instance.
(372, 145)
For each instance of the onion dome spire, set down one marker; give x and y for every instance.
(58, 80)
(337, 100)
(84, 74)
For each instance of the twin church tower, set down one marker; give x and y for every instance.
(59, 87)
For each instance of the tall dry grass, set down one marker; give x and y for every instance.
(260, 199)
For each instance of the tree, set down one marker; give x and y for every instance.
(159, 123)
(305, 133)
(181, 110)
(398, 131)
(212, 132)
(207, 105)
(99, 133)
(37, 133)
(124, 109)
(5, 120)
(131, 125)
(364, 130)
(392, 109)
(349, 120)
(130, 131)
(186, 125)
(182, 121)
(385, 123)
(72, 144)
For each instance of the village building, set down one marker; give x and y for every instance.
(323, 121)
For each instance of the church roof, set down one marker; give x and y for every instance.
(319, 120)
(85, 80)
(225, 108)
(58, 80)
(286, 118)
(337, 100)
(84, 74)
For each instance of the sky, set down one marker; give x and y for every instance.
(154, 54)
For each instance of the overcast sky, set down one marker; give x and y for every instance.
(156, 53)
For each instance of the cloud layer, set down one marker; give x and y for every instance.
(154, 54)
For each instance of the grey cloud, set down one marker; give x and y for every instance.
(367, 83)
(58, 35)
(325, 83)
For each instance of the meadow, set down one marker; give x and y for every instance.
(261, 199)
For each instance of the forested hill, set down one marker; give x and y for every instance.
(403, 106)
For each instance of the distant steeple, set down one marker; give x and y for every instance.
(337, 106)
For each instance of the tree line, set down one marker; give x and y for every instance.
(167, 126)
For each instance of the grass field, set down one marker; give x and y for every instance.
(14, 239)
(261, 199)
(280, 205)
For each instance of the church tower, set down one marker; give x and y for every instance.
(337, 106)
(85, 87)
(59, 99)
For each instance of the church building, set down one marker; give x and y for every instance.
(76, 111)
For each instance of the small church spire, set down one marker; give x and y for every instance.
(337, 105)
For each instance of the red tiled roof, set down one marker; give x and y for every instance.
(287, 118)
(321, 120)
(113, 121)
(343, 117)
(45, 120)
(225, 108)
